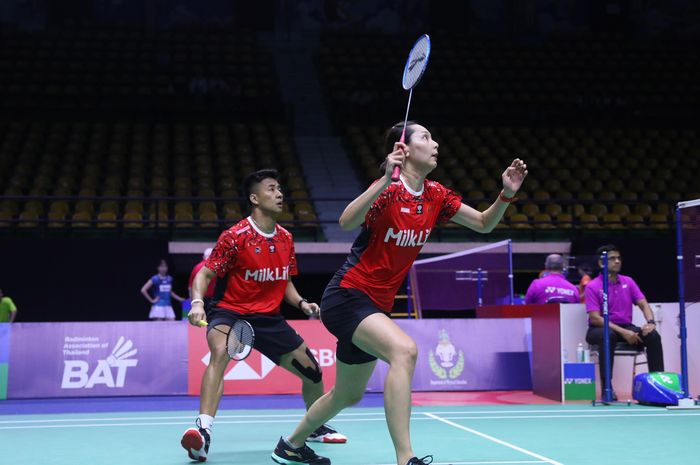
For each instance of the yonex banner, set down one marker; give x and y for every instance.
(257, 374)
(97, 359)
(466, 355)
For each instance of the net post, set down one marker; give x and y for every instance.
(479, 291)
(607, 388)
(510, 269)
(681, 301)
(409, 295)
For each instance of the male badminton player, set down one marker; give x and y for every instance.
(396, 220)
(253, 261)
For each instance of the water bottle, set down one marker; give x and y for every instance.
(564, 356)
(579, 352)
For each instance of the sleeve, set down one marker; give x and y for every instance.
(379, 205)
(293, 270)
(223, 257)
(531, 293)
(450, 204)
(593, 303)
(11, 304)
(154, 280)
(637, 294)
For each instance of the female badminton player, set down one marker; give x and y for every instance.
(396, 219)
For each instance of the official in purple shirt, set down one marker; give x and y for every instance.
(553, 286)
(623, 294)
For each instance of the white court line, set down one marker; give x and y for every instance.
(614, 415)
(241, 422)
(491, 438)
(482, 463)
(355, 417)
(244, 421)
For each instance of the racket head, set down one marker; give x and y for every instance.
(417, 62)
(240, 340)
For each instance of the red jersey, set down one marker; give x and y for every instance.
(212, 284)
(253, 268)
(395, 229)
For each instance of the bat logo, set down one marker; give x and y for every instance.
(415, 61)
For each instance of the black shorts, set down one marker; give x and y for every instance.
(273, 335)
(342, 311)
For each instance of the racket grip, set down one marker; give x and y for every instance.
(202, 323)
(395, 173)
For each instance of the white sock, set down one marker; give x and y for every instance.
(206, 421)
(289, 443)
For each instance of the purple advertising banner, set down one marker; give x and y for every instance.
(97, 359)
(467, 355)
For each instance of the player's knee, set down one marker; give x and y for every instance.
(309, 368)
(405, 352)
(353, 399)
(346, 399)
(653, 336)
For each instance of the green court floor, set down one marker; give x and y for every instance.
(550, 434)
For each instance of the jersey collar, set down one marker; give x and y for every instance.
(411, 191)
(259, 231)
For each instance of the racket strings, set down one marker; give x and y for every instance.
(416, 63)
(240, 340)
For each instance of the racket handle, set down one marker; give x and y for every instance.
(202, 323)
(397, 169)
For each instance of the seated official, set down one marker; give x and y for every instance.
(623, 293)
(552, 287)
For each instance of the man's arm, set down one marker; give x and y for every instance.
(293, 298)
(648, 316)
(144, 291)
(199, 288)
(596, 319)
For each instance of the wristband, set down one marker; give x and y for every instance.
(506, 199)
(651, 322)
(194, 301)
(300, 302)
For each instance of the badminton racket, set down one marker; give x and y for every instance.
(239, 339)
(412, 73)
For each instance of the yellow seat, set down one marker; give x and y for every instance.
(519, 221)
(564, 221)
(28, 219)
(613, 221)
(543, 221)
(81, 219)
(56, 219)
(133, 220)
(589, 221)
(530, 209)
(553, 209)
(621, 209)
(598, 209)
(107, 219)
(635, 221)
(658, 221)
(183, 219)
(643, 209)
(209, 219)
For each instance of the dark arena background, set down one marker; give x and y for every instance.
(127, 128)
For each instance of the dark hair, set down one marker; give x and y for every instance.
(393, 135)
(255, 178)
(606, 248)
